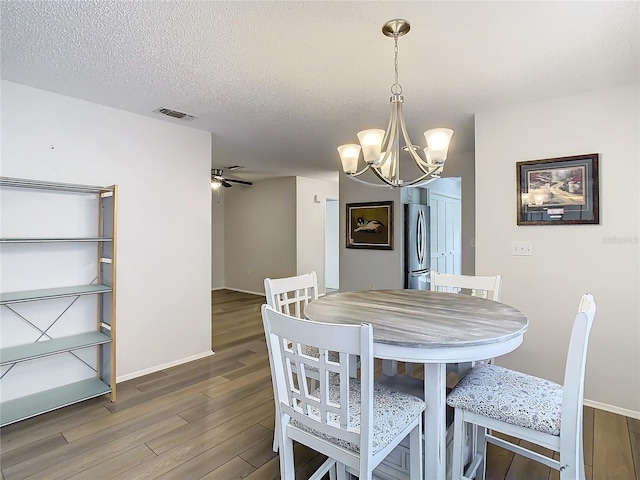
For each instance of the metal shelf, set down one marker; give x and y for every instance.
(41, 185)
(25, 200)
(48, 293)
(31, 405)
(56, 240)
(29, 351)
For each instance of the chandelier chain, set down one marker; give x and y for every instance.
(396, 88)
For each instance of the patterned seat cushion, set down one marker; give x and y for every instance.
(509, 396)
(315, 352)
(392, 412)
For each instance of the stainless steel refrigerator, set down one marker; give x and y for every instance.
(417, 246)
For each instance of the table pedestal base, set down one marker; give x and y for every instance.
(396, 465)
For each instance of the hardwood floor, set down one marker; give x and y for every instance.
(213, 419)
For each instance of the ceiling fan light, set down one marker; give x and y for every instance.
(349, 155)
(371, 141)
(215, 184)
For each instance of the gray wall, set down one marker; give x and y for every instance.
(274, 229)
(370, 269)
(260, 233)
(359, 269)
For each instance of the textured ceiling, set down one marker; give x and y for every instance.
(281, 84)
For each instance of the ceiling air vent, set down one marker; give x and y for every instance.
(174, 113)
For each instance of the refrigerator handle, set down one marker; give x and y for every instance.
(419, 273)
(420, 236)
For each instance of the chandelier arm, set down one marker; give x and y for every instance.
(370, 184)
(378, 174)
(420, 163)
(396, 141)
(390, 137)
(385, 139)
(357, 174)
(386, 183)
(392, 130)
(423, 180)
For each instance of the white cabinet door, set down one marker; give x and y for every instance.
(446, 248)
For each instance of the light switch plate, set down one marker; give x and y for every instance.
(522, 249)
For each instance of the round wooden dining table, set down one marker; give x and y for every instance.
(432, 328)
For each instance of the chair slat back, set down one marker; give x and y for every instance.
(573, 388)
(476, 285)
(291, 294)
(286, 337)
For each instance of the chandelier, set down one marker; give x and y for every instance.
(382, 149)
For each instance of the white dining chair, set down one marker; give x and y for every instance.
(525, 407)
(483, 286)
(290, 295)
(355, 422)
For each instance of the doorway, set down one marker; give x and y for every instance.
(445, 200)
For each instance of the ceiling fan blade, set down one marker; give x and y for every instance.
(225, 184)
(238, 181)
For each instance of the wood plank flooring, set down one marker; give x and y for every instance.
(213, 419)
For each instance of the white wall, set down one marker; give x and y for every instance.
(164, 218)
(217, 239)
(260, 233)
(573, 259)
(332, 245)
(311, 198)
(448, 187)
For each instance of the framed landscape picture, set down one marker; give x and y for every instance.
(370, 225)
(558, 191)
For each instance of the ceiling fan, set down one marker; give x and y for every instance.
(218, 178)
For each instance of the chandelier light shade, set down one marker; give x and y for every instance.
(382, 149)
(349, 155)
(371, 141)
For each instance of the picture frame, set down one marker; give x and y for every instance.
(370, 225)
(558, 191)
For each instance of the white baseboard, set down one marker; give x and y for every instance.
(241, 291)
(612, 408)
(157, 368)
